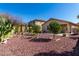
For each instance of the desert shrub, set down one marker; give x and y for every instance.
(54, 27)
(35, 28)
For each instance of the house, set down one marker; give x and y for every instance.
(37, 22)
(67, 27)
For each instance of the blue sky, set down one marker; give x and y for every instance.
(31, 11)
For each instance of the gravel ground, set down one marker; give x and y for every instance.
(21, 45)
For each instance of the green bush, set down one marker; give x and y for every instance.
(54, 27)
(29, 30)
(35, 29)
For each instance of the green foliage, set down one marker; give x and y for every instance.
(29, 30)
(35, 28)
(54, 27)
(16, 28)
(77, 29)
(5, 27)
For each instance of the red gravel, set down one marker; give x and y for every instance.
(21, 46)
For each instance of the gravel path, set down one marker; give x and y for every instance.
(21, 45)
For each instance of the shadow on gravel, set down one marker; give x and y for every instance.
(54, 53)
(40, 40)
(75, 52)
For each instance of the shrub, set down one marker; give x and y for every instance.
(54, 27)
(35, 28)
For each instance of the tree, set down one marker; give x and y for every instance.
(35, 28)
(54, 27)
(29, 27)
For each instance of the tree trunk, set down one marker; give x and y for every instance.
(54, 36)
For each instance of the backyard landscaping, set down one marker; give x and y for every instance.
(17, 39)
(23, 45)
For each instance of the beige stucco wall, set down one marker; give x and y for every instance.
(39, 23)
(74, 26)
(23, 28)
(20, 28)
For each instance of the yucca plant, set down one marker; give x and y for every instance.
(5, 28)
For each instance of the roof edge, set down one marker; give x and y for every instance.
(61, 20)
